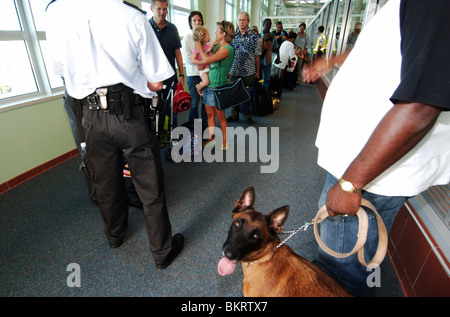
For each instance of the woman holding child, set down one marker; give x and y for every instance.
(220, 63)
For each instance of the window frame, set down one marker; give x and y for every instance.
(328, 17)
(230, 4)
(174, 8)
(171, 11)
(31, 38)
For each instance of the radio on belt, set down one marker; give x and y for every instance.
(101, 92)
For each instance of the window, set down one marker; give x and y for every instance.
(356, 23)
(186, 4)
(245, 6)
(229, 16)
(180, 19)
(343, 20)
(340, 29)
(181, 10)
(23, 52)
(38, 9)
(178, 14)
(16, 75)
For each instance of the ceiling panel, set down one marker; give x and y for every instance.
(302, 10)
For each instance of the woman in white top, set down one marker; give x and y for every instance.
(287, 51)
(287, 54)
(193, 78)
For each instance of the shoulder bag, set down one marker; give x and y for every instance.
(230, 95)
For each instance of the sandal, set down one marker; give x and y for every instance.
(225, 146)
(209, 143)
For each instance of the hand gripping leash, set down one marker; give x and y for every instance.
(362, 235)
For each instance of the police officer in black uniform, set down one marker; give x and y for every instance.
(112, 64)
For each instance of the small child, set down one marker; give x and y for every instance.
(201, 34)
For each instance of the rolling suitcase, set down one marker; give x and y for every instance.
(263, 101)
(276, 82)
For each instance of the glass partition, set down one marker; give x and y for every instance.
(343, 21)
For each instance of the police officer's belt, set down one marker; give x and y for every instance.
(115, 99)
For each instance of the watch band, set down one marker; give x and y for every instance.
(348, 187)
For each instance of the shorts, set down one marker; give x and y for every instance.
(208, 97)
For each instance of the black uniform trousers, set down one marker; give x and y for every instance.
(107, 137)
(73, 111)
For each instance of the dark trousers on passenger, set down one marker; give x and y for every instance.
(73, 111)
(290, 79)
(107, 137)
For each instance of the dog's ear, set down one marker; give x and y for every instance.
(277, 218)
(247, 200)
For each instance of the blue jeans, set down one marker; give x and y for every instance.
(193, 112)
(340, 234)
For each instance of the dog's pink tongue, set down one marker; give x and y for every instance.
(226, 266)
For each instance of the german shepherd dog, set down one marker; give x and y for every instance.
(268, 271)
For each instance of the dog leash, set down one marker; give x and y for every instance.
(362, 235)
(294, 232)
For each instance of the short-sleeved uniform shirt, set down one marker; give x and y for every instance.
(366, 88)
(114, 44)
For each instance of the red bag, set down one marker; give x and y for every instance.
(181, 100)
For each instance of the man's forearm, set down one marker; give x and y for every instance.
(321, 66)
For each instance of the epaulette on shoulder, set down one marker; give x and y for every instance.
(134, 7)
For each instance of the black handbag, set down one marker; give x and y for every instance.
(230, 95)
